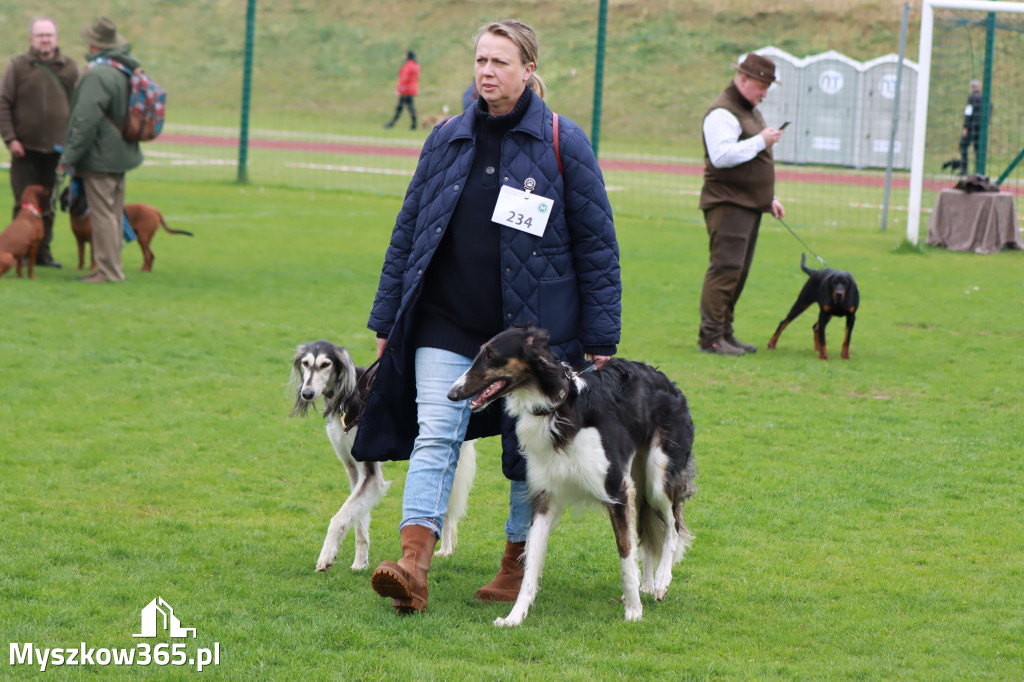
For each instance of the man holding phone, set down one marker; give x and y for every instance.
(739, 186)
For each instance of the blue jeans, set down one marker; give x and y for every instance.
(436, 451)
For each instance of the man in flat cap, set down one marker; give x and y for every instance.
(93, 146)
(739, 186)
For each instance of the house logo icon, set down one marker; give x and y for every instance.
(159, 613)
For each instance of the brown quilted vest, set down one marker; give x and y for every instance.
(750, 184)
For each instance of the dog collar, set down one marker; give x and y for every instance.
(32, 209)
(563, 394)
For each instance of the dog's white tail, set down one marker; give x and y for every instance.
(458, 502)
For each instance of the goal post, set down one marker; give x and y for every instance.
(924, 64)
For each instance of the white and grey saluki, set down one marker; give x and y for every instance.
(323, 369)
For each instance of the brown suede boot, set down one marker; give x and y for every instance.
(505, 586)
(406, 581)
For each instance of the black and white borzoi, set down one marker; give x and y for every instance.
(620, 436)
(322, 369)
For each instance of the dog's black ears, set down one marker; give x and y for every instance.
(536, 344)
(536, 337)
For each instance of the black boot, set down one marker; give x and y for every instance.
(43, 256)
(398, 112)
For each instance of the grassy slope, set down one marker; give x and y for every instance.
(338, 59)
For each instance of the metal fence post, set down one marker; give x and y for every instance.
(986, 96)
(595, 127)
(895, 115)
(243, 133)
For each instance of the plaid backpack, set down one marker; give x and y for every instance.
(147, 102)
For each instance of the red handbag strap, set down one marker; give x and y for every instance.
(554, 126)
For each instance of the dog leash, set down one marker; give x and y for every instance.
(368, 376)
(820, 260)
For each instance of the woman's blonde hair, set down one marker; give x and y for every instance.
(525, 39)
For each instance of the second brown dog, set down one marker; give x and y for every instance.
(143, 218)
(431, 121)
(22, 237)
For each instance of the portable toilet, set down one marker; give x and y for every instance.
(781, 102)
(827, 114)
(875, 115)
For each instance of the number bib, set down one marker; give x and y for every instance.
(522, 210)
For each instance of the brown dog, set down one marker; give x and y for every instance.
(431, 121)
(22, 237)
(143, 218)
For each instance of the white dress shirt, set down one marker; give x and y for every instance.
(722, 135)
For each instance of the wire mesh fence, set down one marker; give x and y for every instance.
(324, 76)
(981, 48)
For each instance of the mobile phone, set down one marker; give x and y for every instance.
(783, 126)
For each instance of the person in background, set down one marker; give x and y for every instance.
(453, 278)
(739, 186)
(35, 97)
(470, 95)
(972, 126)
(407, 88)
(93, 147)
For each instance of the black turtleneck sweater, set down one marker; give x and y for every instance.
(461, 304)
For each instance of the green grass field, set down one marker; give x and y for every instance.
(855, 519)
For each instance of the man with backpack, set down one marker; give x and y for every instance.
(94, 148)
(34, 106)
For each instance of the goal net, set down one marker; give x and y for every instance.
(967, 46)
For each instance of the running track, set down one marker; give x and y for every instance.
(831, 178)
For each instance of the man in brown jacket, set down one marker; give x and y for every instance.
(739, 186)
(34, 97)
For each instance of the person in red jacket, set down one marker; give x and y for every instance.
(407, 88)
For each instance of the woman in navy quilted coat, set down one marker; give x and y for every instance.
(453, 278)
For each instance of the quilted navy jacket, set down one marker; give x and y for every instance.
(566, 281)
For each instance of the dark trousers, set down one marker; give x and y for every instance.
(732, 236)
(404, 101)
(965, 144)
(36, 168)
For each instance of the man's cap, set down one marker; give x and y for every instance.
(103, 34)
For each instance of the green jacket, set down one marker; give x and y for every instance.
(93, 143)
